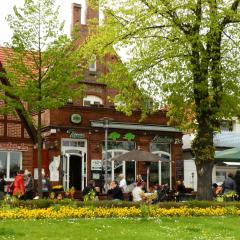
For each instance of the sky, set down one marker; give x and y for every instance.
(6, 7)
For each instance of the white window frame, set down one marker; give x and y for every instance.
(93, 64)
(92, 99)
(7, 178)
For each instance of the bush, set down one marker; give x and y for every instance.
(45, 203)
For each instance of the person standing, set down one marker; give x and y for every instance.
(229, 184)
(122, 183)
(28, 184)
(18, 185)
(2, 185)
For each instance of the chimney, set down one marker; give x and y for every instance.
(93, 12)
(76, 14)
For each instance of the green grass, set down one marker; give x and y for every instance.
(128, 229)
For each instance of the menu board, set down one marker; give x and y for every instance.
(179, 170)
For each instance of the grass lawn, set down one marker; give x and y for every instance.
(127, 229)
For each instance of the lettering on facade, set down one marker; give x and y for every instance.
(75, 135)
(161, 139)
(13, 147)
(167, 140)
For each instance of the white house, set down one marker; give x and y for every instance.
(229, 137)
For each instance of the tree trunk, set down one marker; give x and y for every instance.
(204, 159)
(204, 180)
(39, 158)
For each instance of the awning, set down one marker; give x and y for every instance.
(232, 163)
(134, 126)
(229, 155)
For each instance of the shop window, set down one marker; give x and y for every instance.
(114, 168)
(161, 171)
(10, 163)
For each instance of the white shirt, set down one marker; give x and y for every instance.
(123, 184)
(137, 194)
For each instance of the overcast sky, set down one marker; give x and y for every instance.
(6, 7)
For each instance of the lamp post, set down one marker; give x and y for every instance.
(106, 122)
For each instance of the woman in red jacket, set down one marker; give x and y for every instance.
(18, 185)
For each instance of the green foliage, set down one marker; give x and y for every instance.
(91, 196)
(45, 203)
(43, 63)
(184, 55)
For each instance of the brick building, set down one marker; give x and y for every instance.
(77, 136)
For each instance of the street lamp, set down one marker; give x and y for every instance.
(106, 122)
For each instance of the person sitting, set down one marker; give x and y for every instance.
(89, 187)
(137, 192)
(122, 183)
(216, 190)
(180, 191)
(115, 192)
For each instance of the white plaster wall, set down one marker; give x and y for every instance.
(190, 174)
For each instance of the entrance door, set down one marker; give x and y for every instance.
(74, 163)
(75, 172)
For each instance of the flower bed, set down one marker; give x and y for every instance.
(100, 212)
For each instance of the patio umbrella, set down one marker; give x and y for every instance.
(137, 155)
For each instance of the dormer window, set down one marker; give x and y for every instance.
(93, 64)
(92, 100)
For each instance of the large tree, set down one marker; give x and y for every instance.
(183, 53)
(42, 65)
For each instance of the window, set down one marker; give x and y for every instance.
(93, 64)
(226, 125)
(92, 100)
(10, 163)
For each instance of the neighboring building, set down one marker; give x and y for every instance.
(76, 135)
(16, 140)
(228, 138)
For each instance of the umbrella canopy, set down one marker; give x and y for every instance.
(138, 155)
(229, 155)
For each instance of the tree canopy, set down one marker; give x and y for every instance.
(42, 65)
(184, 54)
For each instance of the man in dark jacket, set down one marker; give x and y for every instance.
(229, 184)
(115, 192)
(89, 187)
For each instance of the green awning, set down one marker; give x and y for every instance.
(229, 155)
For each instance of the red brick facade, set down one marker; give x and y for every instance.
(82, 142)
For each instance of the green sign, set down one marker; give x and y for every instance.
(114, 136)
(76, 118)
(129, 136)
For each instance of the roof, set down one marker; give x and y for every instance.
(3, 55)
(229, 155)
(227, 139)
